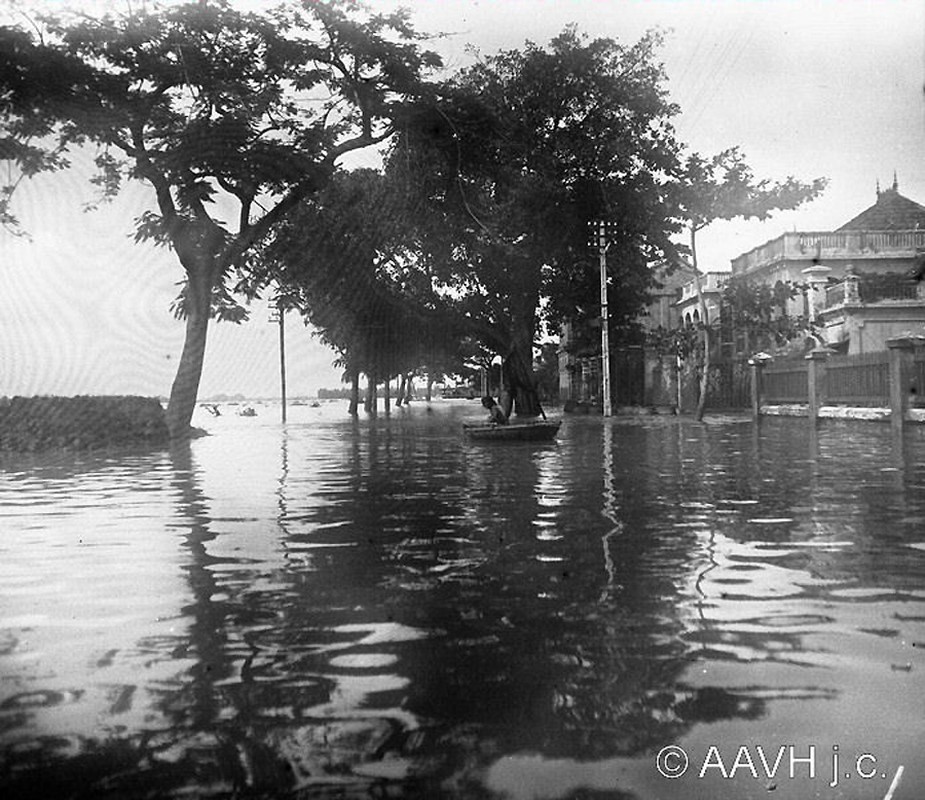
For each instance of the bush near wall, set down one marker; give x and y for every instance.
(29, 424)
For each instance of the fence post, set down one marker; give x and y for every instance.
(815, 379)
(902, 357)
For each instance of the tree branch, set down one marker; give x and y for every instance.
(250, 234)
(154, 176)
(363, 140)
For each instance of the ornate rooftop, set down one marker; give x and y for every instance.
(891, 212)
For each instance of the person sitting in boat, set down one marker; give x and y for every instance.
(495, 414)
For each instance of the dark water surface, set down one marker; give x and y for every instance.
(381, 609)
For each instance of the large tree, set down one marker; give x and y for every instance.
(724, 188)
(346, 259)
(232, 119)
(514, 156)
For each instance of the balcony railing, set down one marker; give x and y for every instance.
(808, 245)
(856, 290)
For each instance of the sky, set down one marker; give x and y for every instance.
(809, 88)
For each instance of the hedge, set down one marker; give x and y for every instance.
(30, 424)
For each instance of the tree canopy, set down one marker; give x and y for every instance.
(511, 158)
(233, 119)
(475, 232)
(724, 187)
(345, 259)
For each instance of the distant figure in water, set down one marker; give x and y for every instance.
(495, 415)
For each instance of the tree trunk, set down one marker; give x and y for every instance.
(371, 394)
(409, 388)
(705, 321)
(519, 392)
(430, 388)
(518, 383)
(354, 394)
(387, 395)
(704, 373)
(402, 383)
(185, 388)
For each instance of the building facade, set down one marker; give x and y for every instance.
(711, 287)
(580, 369)
(863, 279)
(863, 284)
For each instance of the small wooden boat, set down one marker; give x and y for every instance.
(538, 431)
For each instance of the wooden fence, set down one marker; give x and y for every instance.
(785, 382)
(858, 380)
(729, 384)
(893, 379)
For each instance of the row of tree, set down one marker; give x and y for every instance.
(469, 241)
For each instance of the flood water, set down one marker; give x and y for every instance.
(341, 608)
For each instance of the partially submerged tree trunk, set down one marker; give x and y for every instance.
(519, 386)
(518, 383)
(354, 394)
(705, 322)
(371, 394)
(185, 388)
(704, 370)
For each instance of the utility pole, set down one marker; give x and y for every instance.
(279, 316)
(600, 240)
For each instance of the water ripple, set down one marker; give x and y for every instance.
(363, 607)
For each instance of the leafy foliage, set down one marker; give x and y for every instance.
(232, 118)
(345, 260)
(524, 149)
(681, 342)
(758, 312)
(204, 101)
(750, 310)
(724, 187)
(747, 303)
(514, 156)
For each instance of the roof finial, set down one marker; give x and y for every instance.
(878, 187)
(895, 182)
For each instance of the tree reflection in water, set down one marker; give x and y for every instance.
(377, 608)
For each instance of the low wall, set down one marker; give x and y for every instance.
(840, 412)
(30, 424)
